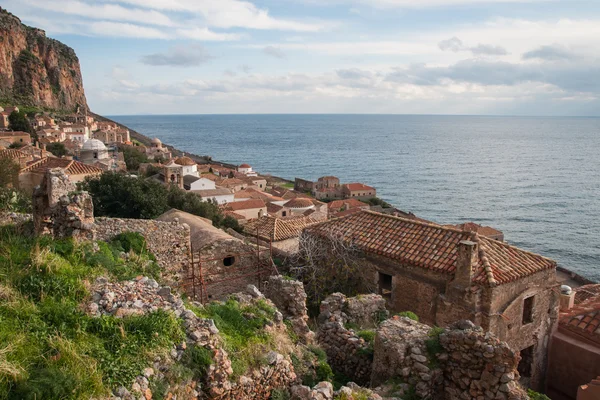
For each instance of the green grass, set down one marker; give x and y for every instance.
(533, 395)
(242, 331)
(289, 185)
(434, 346)
(409, 314)
(50, 349)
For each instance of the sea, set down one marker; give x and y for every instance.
(537, 179)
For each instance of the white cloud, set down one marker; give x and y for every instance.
(179, 56)
(118, 29)
(102, 12)
(274, 52)
(206, 34)
(424, 3)
(229, 14)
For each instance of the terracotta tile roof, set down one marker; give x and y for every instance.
(256, 194)
(349, 203)
(228, 182)
(275, 229)
(585, 292)
(584, 319)
(235, 215)
(299, 202)
(71, 167)
(12, 154)
(184, 161)
(357, 186)
(482, 230)
(245, 205)
(273, 208)
(433, 247)
(13, 134)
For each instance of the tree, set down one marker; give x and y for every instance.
(121, 196)
(57, 148)
(133, 158)
(329, 263)
(16, 145)
(10, 173)
(18, 122)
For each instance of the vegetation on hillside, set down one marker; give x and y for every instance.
(18, 121)
(133, 158)
(11, 198)
(121, 196)
(49, 348)
(57, 148)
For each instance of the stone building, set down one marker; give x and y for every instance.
(444, 275)
(175, 171)
(227, 264)
(283, 233)
(32, 175)
(358, 191)
(327, 187)
(574, 357)
(156, 150)
(18, 137)
(94, 152)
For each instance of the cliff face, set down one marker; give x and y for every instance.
(36, 70)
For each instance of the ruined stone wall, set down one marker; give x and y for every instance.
(346, 351)
(463, 362)
(478, 364)
(168, 241)
(290, 299)
(400, 353)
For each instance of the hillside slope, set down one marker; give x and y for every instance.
(36, 70)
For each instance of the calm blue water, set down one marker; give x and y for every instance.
(536, 179)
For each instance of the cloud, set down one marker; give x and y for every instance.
(274, 52)
(206, 34)
(119, 29)
(179, 56)
(550, 53)
(103, 11)
(427, 3)
(456, 45)
(229, 14)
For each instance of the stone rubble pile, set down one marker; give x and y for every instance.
(324, 391)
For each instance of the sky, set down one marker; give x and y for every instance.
(491, 57)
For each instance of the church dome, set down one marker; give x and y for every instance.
(93, 145)
(156, 142)
(185, 161)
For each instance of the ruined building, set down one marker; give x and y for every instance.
(444, 275)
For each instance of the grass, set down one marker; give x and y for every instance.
(242, 331)
(433, 346)
(289, 185)
(533, 395)
(50, 349)
(409, 314)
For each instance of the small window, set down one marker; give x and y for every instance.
(95, 155)
(528, 310)
(229, 261)
(284, 213)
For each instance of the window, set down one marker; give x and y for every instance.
(526, 362)
(284, 213)
(229, 261)
(528, 310)
(385, 285)
(95, 155)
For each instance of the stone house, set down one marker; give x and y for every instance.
(232, 183)
(156, 150)
(337, 208)
(574, 356)
(328, 188)
(176, 170)
(444, 275)
(17, 156)
(249, 209)
(33, 174)
(192, 182)
(19, 137)
(218, 195)
(358, 191)
(227, 262)
(246, 170)
(304, 186)
(283, 233)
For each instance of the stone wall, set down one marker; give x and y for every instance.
(463, 362)
(290, 299)
(346, 351)
(168, 241)
(400, 353)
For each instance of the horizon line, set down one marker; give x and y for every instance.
(355, 114)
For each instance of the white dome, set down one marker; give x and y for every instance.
(94, 145)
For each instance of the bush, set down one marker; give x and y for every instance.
(409, 314)
(17, 121)
(533, 395)
(433, 344)
(133, 158)
(280, 394)
(198, 359)
(58, 149)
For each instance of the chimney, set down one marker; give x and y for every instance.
(467, 257)
(567, 298)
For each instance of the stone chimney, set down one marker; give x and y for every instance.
(467, 257)
(567, 298)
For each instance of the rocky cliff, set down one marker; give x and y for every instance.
(36, 70)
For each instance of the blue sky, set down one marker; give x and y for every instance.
(511, 57)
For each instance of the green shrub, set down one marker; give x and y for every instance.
(280, 394)
(324, 372)
(367, 335)
(433, 345)
(130, 241)
(409, 314)
(198, 359)
(533, 395)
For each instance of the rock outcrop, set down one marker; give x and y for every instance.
(36, 70)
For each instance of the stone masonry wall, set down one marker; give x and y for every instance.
(168, 241)
(290, 299)
(346, 351)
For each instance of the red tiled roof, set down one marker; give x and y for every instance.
(585, 292)
(299, 202)
(349, 203)
(234, 215)
(482, 230)
(12, 154)
(13, 134)
(245, 166)
(273, 208)
(433, 247)
(185, 161)
(245, 205)
(71, 167)
(358, 186)
(256, 194)
(276, 229)
(584, 319)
